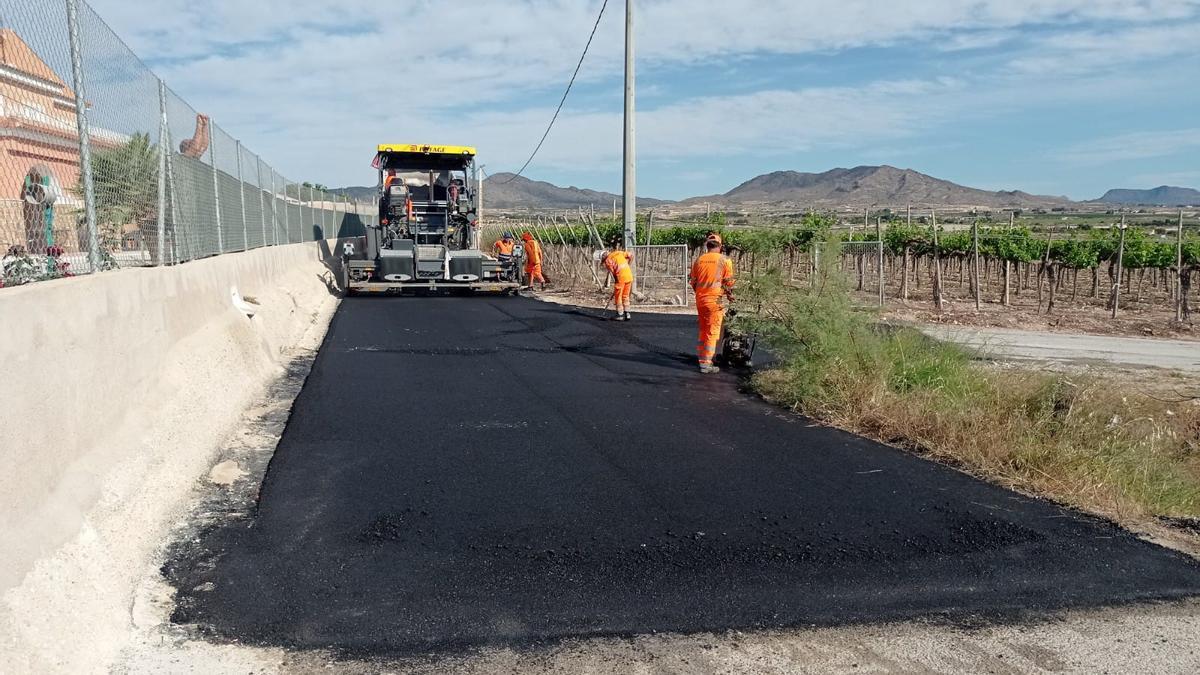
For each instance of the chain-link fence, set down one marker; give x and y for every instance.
(103, 166)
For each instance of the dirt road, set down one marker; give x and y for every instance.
(1004, 343)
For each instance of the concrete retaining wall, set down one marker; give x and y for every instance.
(115, 391)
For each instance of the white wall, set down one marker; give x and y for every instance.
(115, 391)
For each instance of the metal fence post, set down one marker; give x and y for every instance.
(287, 217)
(175, 220)
(274, 209)
(85, 140)
(242, 190)
(262, 202)
(212, 155)
(311, 216)
(305, 221)
(163, 140)
(325, 211)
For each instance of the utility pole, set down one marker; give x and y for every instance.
(630, 174)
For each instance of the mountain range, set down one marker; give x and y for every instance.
(506, 191)
(863, 186)
(1164, 195)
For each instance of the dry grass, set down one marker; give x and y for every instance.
(1081, 440)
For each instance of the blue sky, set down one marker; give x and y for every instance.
(1067, 97)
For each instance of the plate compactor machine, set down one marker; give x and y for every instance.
(428, 219)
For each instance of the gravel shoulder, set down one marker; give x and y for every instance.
(1148, 639)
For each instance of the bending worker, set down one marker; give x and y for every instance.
(619, 263)
(533, 260)
(711, 278)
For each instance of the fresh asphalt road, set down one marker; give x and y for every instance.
(460, 472)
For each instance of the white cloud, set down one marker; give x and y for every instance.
(1173, 178)
(1133, 146)
(1082, 52)
(313, 85)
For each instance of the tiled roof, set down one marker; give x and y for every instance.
(15, 54)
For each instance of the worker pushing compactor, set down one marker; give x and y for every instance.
(712, 280)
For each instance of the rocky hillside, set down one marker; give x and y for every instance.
(874, 185)
(502, 191)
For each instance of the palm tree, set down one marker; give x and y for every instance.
(126, 190)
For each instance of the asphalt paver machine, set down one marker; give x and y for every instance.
(426, 237)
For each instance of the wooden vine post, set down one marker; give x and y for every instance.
(937, 266)
(1116, 290)
(975, 269)
(1047, 270)
(879, 261)
(1012, 216)
(1179, 271)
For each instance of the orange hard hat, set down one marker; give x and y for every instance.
(527, 237)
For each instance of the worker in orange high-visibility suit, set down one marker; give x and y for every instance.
(712, 279)
(533, 260)
(386, 202)
(504, 247)
(619, 263)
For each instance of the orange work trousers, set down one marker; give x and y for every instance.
(534, 273)
(712, 315)
(621, 292)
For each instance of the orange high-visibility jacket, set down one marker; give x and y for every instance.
(711, 275)
(504, 247)
(533, 253)
(618, 264)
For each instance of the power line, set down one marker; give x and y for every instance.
(564, 96)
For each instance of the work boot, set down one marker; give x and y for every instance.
(709, 369)
(618, 317)
(626, 317)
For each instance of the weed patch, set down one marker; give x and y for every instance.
(1085, 441)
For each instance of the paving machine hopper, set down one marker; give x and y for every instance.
(427, 236)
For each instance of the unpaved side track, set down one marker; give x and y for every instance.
(1181, 355)
(496, 472)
